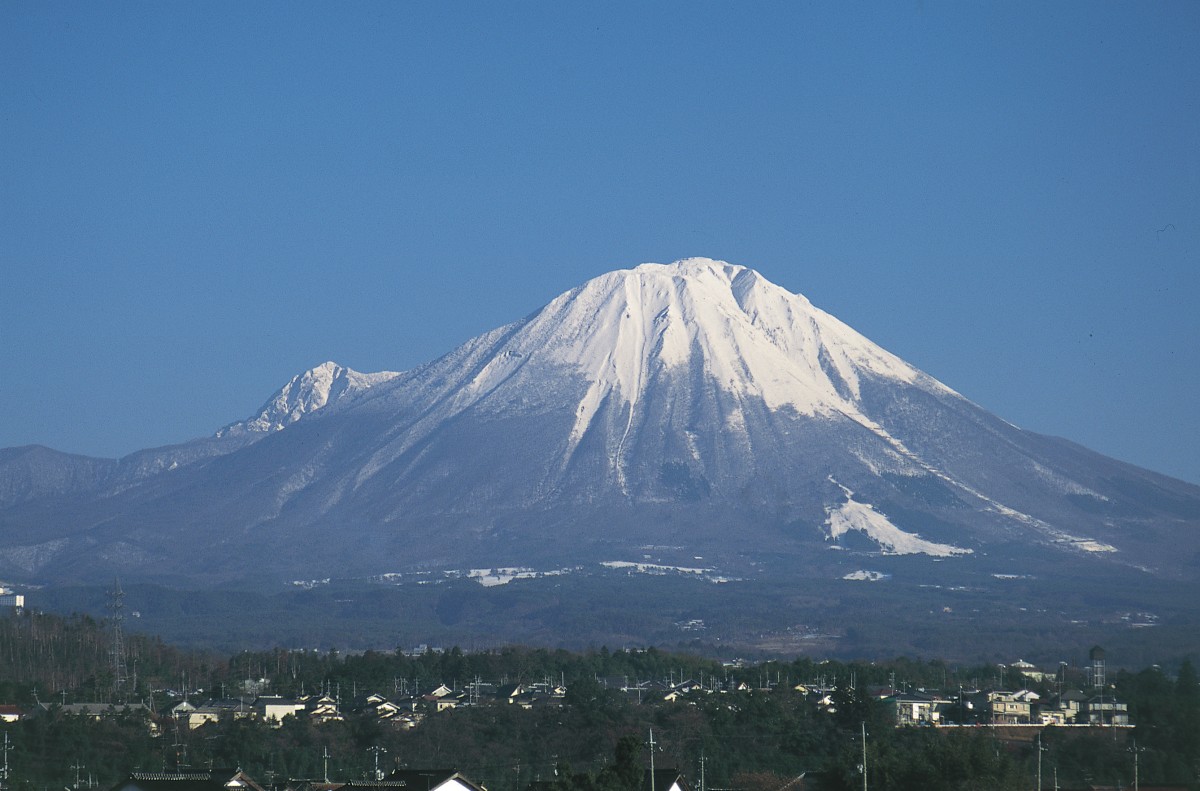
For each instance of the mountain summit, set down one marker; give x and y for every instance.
(664, 414)
(637, 335)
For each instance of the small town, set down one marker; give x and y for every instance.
(405, 709)
(517, 719)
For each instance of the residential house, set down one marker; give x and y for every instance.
(271, 709)
(1006, 708)
(823, 700)
(406, 720)
(1069, 707)
(180, 710)
(401, 714)
(321, 708)
(386, 710)
(1106, 710)
(690, 685)
(214, 780)
(9, 712)
(682, 689)
(443, 703)
(409, 703)
(442, 698)
(1030, 697)
(648, 690)
(1028, 670)
(1051, 716)
(664, 780)
(510, 693)
(881, 691)
(209, 711)
(917, 708)
(432, 780)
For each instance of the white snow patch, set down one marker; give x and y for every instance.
(1091, 545)
(490, 578)
(656, 569)
(310, 584)
(651, 568)
(1064, 484)
(863, 575)
(1055, 534)
(853, 515)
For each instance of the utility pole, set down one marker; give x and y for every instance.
(1135, 750)
(325, 756)
(377, 750)
(4, 772)
(652, 759)
(703, 760)
(1039, 752)
(864, 757)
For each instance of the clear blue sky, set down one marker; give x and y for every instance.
(199, 200)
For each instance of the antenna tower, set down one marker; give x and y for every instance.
(116, 620)
(1097, 657)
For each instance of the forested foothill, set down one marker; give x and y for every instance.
(956, 619)
(514, 716)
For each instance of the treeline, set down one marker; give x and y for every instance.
(758, 739)
(43, 656)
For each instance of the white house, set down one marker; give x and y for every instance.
(431, 780)
(273, 708)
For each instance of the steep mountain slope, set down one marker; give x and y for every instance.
(684, 411)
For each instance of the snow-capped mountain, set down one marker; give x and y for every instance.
(637, 335)
(317, 388)
(690, 410)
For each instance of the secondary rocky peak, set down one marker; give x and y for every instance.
(307, 392)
